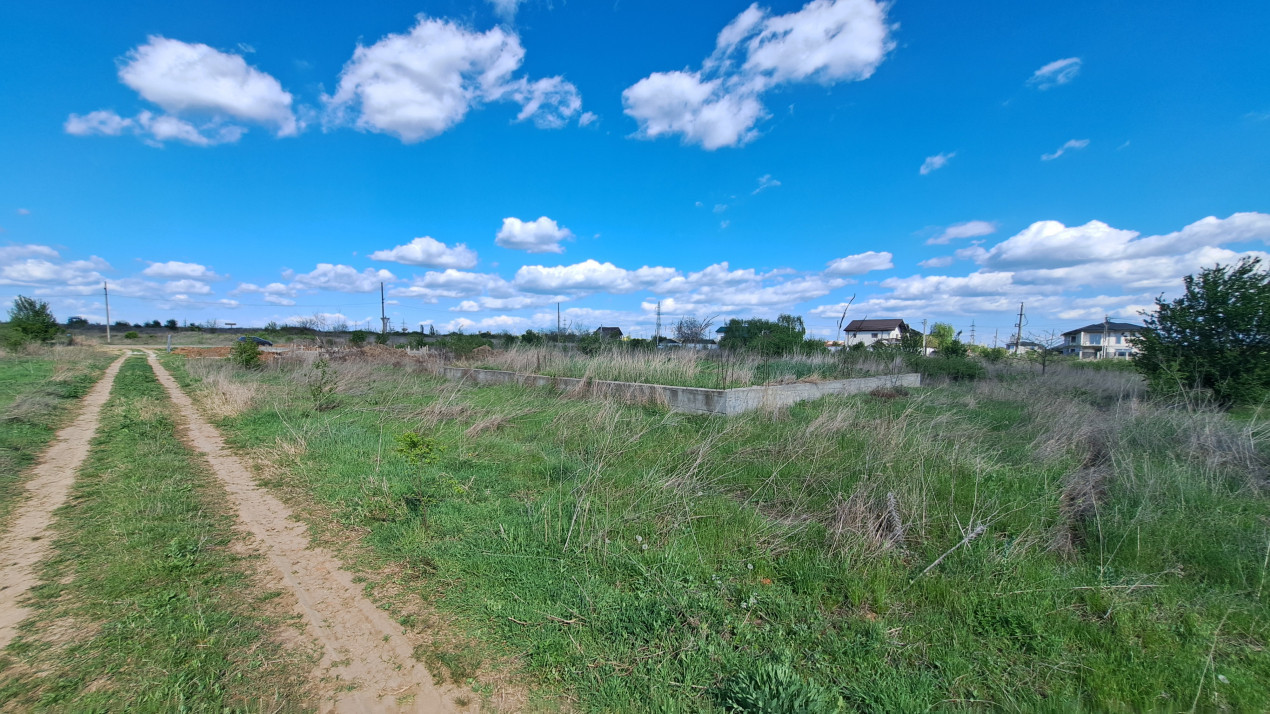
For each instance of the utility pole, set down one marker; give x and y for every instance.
(1019, 335)
(657, 331)
(383, 316)
(972, 332)
(105, 289)
(923, 338)
(557, 324)
(995, 331)
(1106, 336)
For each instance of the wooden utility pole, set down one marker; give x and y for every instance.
(923, 338)
(105, 289)
(1018, 337)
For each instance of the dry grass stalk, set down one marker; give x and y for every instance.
(222, 394)
(865, 522)
(32, 407)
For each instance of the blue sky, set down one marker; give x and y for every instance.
(939, 161)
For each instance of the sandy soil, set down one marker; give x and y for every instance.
(27, 540)
(367, 663)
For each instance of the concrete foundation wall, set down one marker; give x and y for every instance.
(690, 399)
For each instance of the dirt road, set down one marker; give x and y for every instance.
(361, 644)
(27, 540)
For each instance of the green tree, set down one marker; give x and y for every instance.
(358, 338)
(941, 335)
(782, 336)
(1215, 336)
(30, 320)
(171, 324)
(911, 342)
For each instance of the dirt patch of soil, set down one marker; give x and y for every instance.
(367, 663)
(26, 541)
(202, 351)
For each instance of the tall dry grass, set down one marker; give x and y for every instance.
(688, 368)
(224, 391)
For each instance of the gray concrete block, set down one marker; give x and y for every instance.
(693, 400)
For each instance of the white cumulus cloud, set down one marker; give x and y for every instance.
(202, 92)
(825, 42)
(860, 263)
(589, 276)
(418, 84)
(176, 270)
(342, 278)
(429, 252)
(969, 229)
(540, 236)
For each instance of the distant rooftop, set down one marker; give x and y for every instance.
(885, 325)
(1109, 326)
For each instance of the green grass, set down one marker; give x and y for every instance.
(645, 561)
(150, 610)
(38, 393)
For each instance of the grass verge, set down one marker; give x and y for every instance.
(145, 606)
(1017, 543)
(38, 392)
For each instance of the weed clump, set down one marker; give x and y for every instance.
(245, 354)
(322, 385)
(769, 688)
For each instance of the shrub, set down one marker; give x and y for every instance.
(322, 384)
(463, 345)
(244, 354)
(417, 341)
(954, 368)
(590, 344)
(131, 335)
(381, 338)
(30, 320)
(358, 338)
(1216, 336)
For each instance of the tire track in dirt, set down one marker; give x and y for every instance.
(26, 542)
(361, 643)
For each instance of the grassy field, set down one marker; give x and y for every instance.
(38, 390)
(145, 607)
(1016, 543)
(710, 369)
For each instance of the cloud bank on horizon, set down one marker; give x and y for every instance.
(1046, 265)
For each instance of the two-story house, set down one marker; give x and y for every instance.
(873, 332)
(1101, 340)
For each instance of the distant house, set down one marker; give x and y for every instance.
(610, 333)
(1023, 346)
(1101, 340)
(872, 332)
